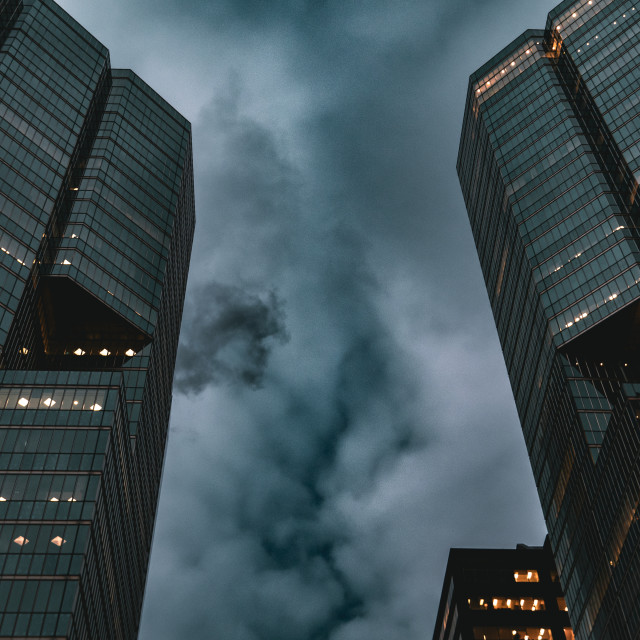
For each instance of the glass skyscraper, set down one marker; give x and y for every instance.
(549, 165)
(96, 225)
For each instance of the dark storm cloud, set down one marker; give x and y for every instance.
(228, 334)
(337, 414)
(292, 467)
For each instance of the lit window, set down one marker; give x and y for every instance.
(95, 407)
(24, 351)
(58, 541)
(105, 352)
(49, 402)
(502, 633)
(476, 604)
(21, 540)
(79, 352)
(130, 353)
(23, 402)
(529, 575)
(523, 604)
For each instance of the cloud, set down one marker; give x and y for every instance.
(228, 334)
(289, 533)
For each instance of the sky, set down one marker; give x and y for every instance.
(341, 413)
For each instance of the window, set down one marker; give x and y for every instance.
(526, 575)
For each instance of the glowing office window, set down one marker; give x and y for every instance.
(526, 575)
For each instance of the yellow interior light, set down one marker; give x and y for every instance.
(95, 407)
(105, 352)
(23, 402)
(79, 352)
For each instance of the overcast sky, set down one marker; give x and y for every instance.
(341, 412)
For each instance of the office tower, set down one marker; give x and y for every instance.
(502, 594)
(549, 164)
(96, 225)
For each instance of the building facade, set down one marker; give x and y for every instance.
(502, 594)
(549, 164)
(96, 226)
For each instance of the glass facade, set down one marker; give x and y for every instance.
(96, 225)
(549, 164)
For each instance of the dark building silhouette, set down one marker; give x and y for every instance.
(549, 164)
(502, 594)
(96, 225)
